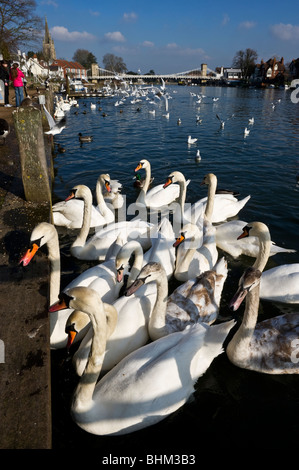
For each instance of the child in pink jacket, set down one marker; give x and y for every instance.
(16, 75)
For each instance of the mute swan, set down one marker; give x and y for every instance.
(69, 213)
(196, 249)
(225, 205)
(280, 283)
(148, 384)
(157, 196)
(130, 332)
(114, 196)
(162, 251)
(270, 346)
(102, 277)
(197, 300)
(246, 132)
(96, 247)
(133, 312)
(226, 240)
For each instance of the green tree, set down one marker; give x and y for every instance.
(19, 26)
(84, 57)
(245, 60)
(114, 63)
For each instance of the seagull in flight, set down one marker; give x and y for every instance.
(55, 128)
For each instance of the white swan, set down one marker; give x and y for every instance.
(280, 283)
(69, 213)
(197, 300)
(114, 196)
(157, 196)
(225, 205)
(148, 384)
(102, 277)
(130, 333)
(133, 312)
(197, 250)
(270, 346)
(161, 251)
(96, 247)
(227, 241)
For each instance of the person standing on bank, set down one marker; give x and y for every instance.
(16, 76)
(4, 75)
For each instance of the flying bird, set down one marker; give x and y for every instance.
(55, 128)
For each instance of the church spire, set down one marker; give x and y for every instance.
(47, 34)
(48, 44)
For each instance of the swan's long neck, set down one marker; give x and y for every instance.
(182, 197)
(184, 256)
(238, 350)
(211, 197)
(157, 322)
(137, 264)
(84, 231)
(54, 257)
(83, 394)
(102, 206)
(143, 191)
(264, 250)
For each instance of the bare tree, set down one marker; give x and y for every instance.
(19, 26)
(245, 60)
(114, 63)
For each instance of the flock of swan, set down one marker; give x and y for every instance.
(141, 348)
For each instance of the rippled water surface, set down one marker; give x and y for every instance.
(230, 406)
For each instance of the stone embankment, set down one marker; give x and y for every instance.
(25, 369)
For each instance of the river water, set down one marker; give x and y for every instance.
(231, 408)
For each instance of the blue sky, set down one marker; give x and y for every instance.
(173, 36)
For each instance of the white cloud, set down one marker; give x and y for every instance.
(61, 33)
(116, 36)
(247, 25)
(285, 32)
(129, 17)
(148, 44)
(172, 45)
(94, 13)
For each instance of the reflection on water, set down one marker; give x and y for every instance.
(231, 407)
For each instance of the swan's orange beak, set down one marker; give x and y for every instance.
(59, 305)
(178, 241)
(71, 337)
(120, 274)
(29, 254)
(107, 186)
(71, 195)
(245, 233)
(167, 183)
(138, 167)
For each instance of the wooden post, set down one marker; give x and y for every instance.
(67, 84)
(35, 176)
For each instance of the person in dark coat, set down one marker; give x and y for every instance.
(4, 75)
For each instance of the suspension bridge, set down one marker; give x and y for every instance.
(202, 73)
